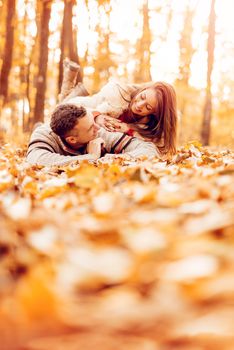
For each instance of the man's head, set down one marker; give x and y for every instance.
(74, 124)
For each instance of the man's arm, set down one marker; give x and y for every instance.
(116, 143)
(44, 150)
(48, 158)
(137, 148)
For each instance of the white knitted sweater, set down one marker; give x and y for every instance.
(112, 99)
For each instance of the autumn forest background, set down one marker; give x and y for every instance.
(120, 253)
(188, 43)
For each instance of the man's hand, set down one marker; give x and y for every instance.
(95, 147)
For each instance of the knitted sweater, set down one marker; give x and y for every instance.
(48, 149)
(112, 99)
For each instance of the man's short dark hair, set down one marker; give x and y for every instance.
(64, 118)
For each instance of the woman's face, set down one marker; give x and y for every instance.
(144, 103)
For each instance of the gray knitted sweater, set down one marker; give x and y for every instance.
(48, 149)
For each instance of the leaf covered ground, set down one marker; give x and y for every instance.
(122, 254)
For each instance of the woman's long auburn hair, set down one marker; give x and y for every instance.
(162, 124)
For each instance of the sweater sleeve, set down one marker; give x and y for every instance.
(117, 142)
(45, 157)
(112, 99)
(137, 148)
(116, 98)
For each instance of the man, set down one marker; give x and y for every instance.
(73, 135)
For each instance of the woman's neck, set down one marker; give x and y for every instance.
(130, 118)
(143, 119)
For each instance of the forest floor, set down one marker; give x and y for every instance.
(120, 255)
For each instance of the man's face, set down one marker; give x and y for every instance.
(84, 131)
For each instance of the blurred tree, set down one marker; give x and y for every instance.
(103, 61)
(186, 52)
(23, 45)
(86, 56)
(43, 59)
(68, 43)
(8, 50)
(2, 29)
(142, 72)
(32, 66)
(205, 132)
(226, 84)
(185, 45)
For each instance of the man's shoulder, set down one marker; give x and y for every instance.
(43, 133)
(44, 138)
(42, 129)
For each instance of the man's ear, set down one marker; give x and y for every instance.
(70, 139)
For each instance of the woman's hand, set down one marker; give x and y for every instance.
(100, 120)
(112, 124)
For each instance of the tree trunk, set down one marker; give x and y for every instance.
(8, 50)
(205, 133)
(186, 47)
(31, 67)
(103, 61)
(68, 45)
(43, 60)
(143, 49)
(24, 72)
(186, 52)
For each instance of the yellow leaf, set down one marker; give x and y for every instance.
(50, 191)
(87, 176)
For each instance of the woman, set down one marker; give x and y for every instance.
(146, 111)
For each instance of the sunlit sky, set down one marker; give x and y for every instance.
(126, 21)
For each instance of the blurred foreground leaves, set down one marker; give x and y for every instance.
(122, 254)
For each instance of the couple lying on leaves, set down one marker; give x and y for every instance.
(137, 120)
